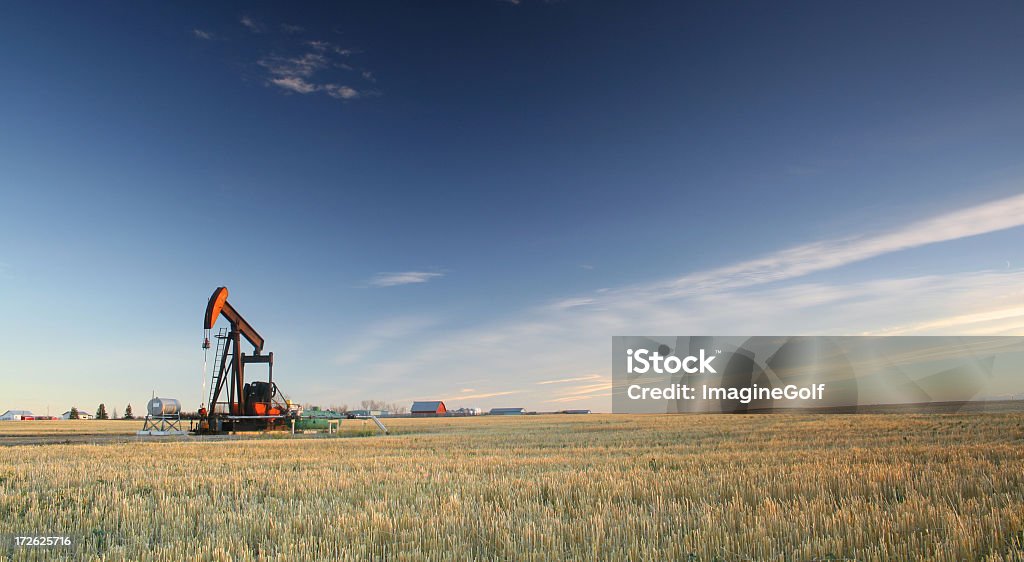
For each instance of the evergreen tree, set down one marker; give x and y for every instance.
(128, 415)
(101, 413)
(74, 413)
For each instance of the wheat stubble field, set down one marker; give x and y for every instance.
(598, 487)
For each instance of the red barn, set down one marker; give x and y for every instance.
(429, 408)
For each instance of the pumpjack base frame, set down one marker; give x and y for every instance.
(221, 424)
(160, 426)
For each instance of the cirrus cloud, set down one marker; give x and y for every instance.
(767, 294)
(403, 278)
(300, 65)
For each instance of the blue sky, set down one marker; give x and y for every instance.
(464, 200)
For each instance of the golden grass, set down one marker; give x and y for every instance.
(777, 487)
(69, 427)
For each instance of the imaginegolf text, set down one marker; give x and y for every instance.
(744, 395)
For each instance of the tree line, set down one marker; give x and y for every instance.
(101, 413)
(393, 407)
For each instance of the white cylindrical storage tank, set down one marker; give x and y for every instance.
(164, 407)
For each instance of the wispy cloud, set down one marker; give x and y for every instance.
(819, 256)
(303, 66)
(309, 71)
(573, 302)
(1013, 314)
(403, 278)
(579, 398)
(571, 379)
(588, 391)
(380, 336)
(251, 24)
(484, 395)
(768, 294)
(296, 64)
(295, 84)
(341, 92)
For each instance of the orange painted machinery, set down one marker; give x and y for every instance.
(237, 405)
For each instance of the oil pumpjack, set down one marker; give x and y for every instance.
(241, 406)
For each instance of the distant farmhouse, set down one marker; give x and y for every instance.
(81, 415)
(428, 408)
(14, 415)
(508, 411)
